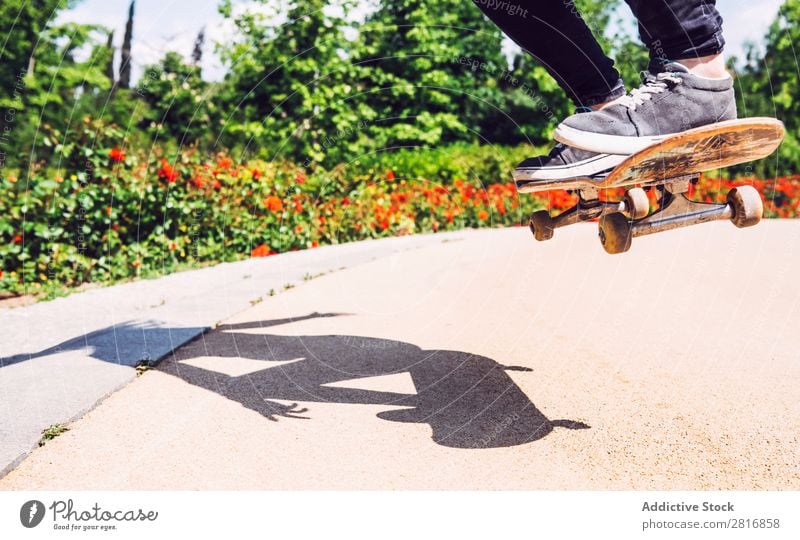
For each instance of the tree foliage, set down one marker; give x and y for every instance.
(308, 83)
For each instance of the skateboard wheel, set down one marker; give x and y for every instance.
(747, 206)
(615, 233)
(541, 225)
(636, 203)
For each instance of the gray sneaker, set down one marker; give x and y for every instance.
(564, 162)
(667, 103)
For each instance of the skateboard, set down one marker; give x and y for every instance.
(670, 166)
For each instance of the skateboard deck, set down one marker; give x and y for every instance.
(688, 153)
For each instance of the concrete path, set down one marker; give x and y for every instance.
(59, 359)
(484, 362)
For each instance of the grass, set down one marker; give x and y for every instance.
(52, 432)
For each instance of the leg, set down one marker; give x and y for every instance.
(686, 31)
(555, 34)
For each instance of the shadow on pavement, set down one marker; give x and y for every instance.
(127, 344)
(468, 400)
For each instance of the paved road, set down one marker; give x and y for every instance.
(59, 359)
(485, 361)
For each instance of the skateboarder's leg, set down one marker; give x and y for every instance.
(554, 33)
(686, 86)
(686, 31)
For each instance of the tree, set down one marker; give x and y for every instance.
(767, 86)
(287, 85)
(61, 90)
(110, 63)
(21, 25)
(180, 107)
(125, 57)
(197, 52)
(433, 75)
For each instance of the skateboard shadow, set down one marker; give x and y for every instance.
(469, 401)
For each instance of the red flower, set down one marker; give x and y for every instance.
(173, 246)
(314, 244)
(483, 215)
(273, 203)
(256, 174)
(390, 175)
(167, 172)
(17, 239)
(300, 178)
(116, 154)
(216, 184)
(224, 163)
(197, 182)
(261, 251)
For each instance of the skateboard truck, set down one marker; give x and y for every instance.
(589, 206)
(743, 207)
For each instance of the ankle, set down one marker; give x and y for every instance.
(605, 104)
(712, 66)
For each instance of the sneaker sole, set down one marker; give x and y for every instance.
(604, 143)
(590, 167)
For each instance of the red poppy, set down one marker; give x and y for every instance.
(273, 203)
(390, 175)
(167, 172)
(116, 154)
(261, 251)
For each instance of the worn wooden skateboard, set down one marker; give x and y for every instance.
(669, 166)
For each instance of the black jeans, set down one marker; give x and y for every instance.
(556, 35)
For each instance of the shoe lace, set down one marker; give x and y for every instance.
(652, 85)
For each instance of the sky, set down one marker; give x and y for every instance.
(172, 25)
